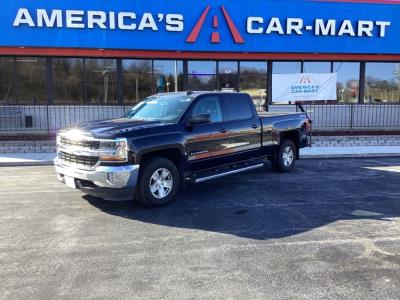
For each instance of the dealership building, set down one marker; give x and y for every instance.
(119, 52)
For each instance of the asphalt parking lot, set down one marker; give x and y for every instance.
(329, 230)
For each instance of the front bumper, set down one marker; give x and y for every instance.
(107, 182)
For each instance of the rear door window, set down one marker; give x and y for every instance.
(236, 107)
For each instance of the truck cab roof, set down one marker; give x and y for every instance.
(197, 93)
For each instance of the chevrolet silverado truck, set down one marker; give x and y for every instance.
(168, 140)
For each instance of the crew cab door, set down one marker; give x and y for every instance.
(204, 142)
(233, 135)
(242, 125)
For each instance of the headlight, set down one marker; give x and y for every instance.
(114, 151)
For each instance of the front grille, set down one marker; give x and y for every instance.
(87, 161)
(93, 145)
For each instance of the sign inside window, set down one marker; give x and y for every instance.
(304, 87)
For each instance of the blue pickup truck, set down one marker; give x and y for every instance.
(170, 139)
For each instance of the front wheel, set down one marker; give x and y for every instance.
(285, 158)
(158, 183)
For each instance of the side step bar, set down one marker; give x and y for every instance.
(215, 176)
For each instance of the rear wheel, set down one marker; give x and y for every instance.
(285, 158)
(158, 183)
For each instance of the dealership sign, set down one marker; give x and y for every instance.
(304, 87)
(225, 26)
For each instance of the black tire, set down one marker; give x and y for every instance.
(143, 193)
(278, 161)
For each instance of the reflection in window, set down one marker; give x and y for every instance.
(160, 108)
(68, 77)
(168, 76)
(286, 67)
(253, 67)
(202, 75)
(228, 76)
(202, 82)
(316, 67)
(137, 80)
(382, 82)
(348, 81)
(7, 82)
(31, 80)
(227, 67)
(228, 82)
(208, 105)
(202, 67)
(101, 81)
(236, 107)
(253, 80)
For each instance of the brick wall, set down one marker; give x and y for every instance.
(351, 141)
(318, 141)
(27, 146)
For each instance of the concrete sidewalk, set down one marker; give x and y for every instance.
(43, 159)
(348, 152)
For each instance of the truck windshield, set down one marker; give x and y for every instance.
(160, 108)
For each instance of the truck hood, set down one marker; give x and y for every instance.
(113, 128)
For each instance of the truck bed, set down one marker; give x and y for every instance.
(282, 121)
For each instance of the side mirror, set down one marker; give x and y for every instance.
(199, 119)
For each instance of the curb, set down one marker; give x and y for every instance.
(337, 156)
(26, 164)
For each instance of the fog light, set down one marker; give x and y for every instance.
(118, 179)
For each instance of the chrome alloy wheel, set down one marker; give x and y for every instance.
(161, 183)
(287, 156)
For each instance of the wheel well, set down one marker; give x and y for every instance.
(294, 136)
(173, 155)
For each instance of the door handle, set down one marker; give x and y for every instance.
(223, 130)
(254, 126)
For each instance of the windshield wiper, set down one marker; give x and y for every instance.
(135, 119)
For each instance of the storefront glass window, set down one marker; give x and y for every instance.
(202, 75)
(227, 67)
(202, 82)
(168, 76)
(382, 82)
(228, 79)
(202, 67)
(101, 81)
(348, 81)
(137, 80)
(7, 80)
(286, 67)
(316, 67)
(253, 67)
(68, 74)
(253, 80)
(31, 80)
